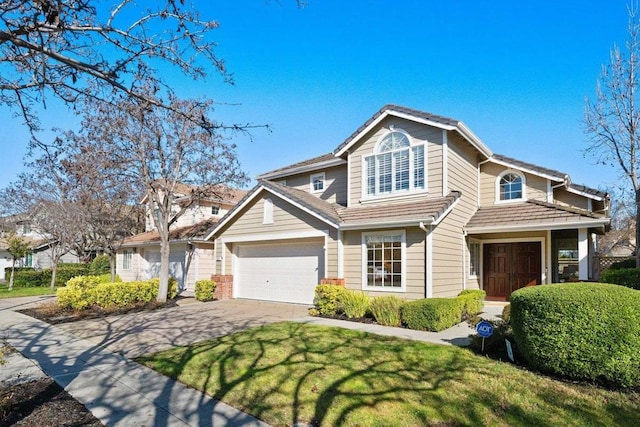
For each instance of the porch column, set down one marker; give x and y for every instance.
(583, 254)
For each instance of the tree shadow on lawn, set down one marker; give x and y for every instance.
(291, 372)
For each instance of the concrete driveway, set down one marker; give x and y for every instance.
(135, 334)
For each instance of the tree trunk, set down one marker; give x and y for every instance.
(54, 269)
(13, 267)
(112, 265)
(164, 269)
(637, 227)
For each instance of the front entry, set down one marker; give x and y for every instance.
(510, 266)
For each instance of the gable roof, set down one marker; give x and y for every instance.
(196, 232)
(549, 174)
(441, 122)
(531, 215)
(315, 163)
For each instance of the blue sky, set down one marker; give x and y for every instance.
(516, 73)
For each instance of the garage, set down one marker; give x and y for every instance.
(176, 264)
(279, 272)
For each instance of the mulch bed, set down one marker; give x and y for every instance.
(53, 314)
(42, 403)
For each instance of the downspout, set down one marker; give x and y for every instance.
(427, 232)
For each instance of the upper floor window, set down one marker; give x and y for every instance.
(511, 186)
(317, 182)
(396, 166)
(215, 210)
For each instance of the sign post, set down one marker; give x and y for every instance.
(485, 330)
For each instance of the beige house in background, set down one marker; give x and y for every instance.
(191, 256)
(411, 204)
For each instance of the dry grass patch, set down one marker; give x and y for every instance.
(289, 372)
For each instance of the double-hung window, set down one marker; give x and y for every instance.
(127, 258)
(384, 255)
(397, 166)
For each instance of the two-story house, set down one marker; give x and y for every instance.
(191, 254)
(411, 204)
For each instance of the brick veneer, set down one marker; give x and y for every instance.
(224, 286)
(333, 281)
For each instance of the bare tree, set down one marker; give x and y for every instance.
(159, 150)
(612, 120)
(71, 49)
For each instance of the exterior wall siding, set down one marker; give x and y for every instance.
(563, 197)
(535, 186)
(450, 254)
(335, 184)
(418, 132)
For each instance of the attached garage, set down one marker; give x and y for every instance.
(176, 264)
(284, 272)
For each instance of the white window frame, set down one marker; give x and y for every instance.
(312, 182)
(216, 208)
(524, 186)
(474, 261)
(267, 212)
(403, 259)
(127, 259)
(411, 172)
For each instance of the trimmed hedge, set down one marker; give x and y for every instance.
(627, 263)
(629, 277)
(205, 290)
(84, 291)
(386, 310)
(432, 314)
(28, 277)
(327, 299)
(473, 301)
(354, 303)
(587, 331)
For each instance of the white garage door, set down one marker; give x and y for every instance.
(283, 272)
(176, 265)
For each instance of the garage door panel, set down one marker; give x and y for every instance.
(286, 273)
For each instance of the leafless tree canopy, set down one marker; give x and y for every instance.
(72, 49)
(612, 120)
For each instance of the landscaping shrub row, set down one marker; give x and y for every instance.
(629, 277)
(85, 291)
(429, 314)
(27, 277)
(586, 331)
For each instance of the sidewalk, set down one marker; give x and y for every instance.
(117, 391)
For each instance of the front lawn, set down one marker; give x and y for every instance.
(290, 372)
(24, 292)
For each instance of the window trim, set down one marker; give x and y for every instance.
(312, 188)
(497, 187)
(127, 253)
(403, 259)
(411, 172)
(477, 243)
(217, 207)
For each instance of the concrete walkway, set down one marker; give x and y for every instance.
(90, 358)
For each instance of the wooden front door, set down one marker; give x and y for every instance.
(510, 266)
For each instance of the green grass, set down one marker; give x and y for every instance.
(24, 292)
(289, 372)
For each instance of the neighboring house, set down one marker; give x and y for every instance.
(411, 204)
(40, 256)
(191, 254)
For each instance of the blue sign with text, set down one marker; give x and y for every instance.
(484, 329)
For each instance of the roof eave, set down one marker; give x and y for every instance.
(474, 140)
(592, 223)
(557, 178)
(386, 224)
(302, 169)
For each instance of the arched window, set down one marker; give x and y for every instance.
(511, 186)
(396, 165)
